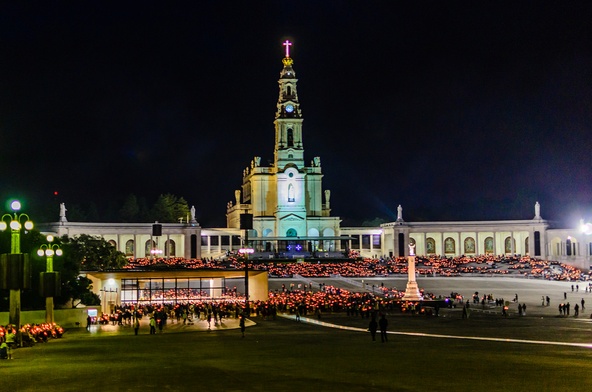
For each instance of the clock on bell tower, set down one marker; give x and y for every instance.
(288, 118)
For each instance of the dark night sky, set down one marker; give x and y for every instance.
(455, 110)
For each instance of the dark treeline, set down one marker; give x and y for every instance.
(167, 208)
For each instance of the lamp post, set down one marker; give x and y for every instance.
(245, 252)
(48, 250)
(18, 265)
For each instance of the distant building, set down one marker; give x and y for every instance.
(284, 211)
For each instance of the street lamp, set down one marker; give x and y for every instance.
(15, 226)
(17, 264)
(50, 281)
(246, 252)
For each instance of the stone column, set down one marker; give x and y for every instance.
(412, 290)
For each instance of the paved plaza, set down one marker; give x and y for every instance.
(539, 352)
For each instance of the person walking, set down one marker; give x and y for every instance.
(136, 326)
(152, 326)
(383, 324)
(241, 324)
(373, 327)
(10, 340)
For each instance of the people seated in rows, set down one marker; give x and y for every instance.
(425, 265)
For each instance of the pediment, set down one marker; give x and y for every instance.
(291, 218)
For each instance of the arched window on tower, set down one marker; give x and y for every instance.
(289, 90)
(290, 137)
(291, 197)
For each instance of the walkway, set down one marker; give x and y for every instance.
(431, 335)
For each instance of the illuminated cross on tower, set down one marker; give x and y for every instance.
(287, 44)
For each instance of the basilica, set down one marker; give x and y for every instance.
(281, 211)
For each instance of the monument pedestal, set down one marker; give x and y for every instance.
(412, 290)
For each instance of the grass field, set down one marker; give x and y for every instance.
(282, 355)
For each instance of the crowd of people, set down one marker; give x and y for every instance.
(387, 266)
(30, 334)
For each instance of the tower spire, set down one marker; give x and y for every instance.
(288, 117)
(287, 60)
(287, 44)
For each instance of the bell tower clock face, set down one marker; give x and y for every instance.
(289, 108)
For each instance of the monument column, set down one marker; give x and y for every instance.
(412, 290)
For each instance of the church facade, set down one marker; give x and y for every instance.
(289, 209)
(282, 211)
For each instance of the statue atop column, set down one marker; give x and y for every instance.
(399, 213)
(193, 220)
(63, 213)
(537, 210)
(412, 290)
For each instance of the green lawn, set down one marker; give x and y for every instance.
(282, 355)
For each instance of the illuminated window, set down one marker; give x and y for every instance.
(376, 240)
(430, 245)
(469, 245)
(129, 248)
(291, 197)
(509, 243)
(488, 245)
(449, 245)
(150, 244)
(171, 248)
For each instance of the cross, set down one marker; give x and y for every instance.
(287, 44)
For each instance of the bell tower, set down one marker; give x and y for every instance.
(289, 150)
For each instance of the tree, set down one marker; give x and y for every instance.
(374, 222)
(130, 211)
(93, 253)
(170, 209)
(84, 252)
(80, 291)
